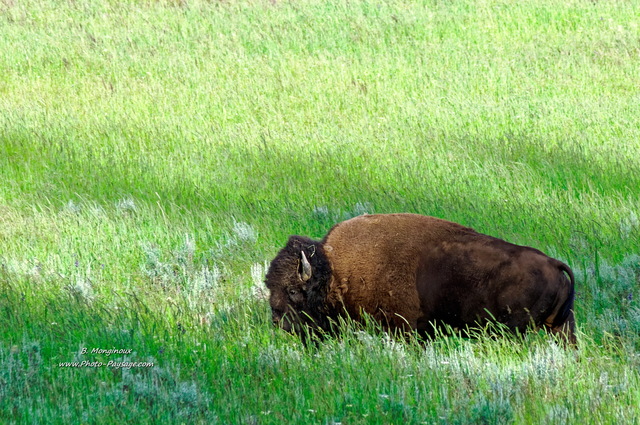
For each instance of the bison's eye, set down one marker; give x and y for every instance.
(295, 295)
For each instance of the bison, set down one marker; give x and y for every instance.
(413, 272)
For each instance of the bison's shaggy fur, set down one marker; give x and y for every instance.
(410, 272)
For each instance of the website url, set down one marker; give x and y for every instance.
(112, 364)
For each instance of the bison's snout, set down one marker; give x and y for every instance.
(282, 321)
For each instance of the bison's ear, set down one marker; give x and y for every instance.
(304, 271)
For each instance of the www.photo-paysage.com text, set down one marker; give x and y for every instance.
(110, 363)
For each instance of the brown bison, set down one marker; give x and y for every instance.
(409, 271)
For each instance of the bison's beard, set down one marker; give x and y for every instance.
(308, 327)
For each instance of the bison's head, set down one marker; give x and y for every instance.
(297, 280)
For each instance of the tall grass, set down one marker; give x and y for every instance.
(155, 155)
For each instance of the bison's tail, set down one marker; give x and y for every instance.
(564, 322)
(567, 306)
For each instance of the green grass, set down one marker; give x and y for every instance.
(155, 155)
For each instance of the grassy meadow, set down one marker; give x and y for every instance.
(155, 156)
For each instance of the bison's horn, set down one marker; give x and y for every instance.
(306, 268)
